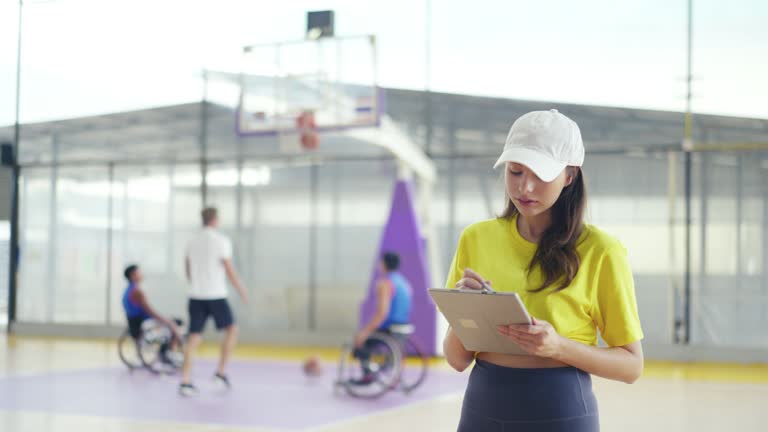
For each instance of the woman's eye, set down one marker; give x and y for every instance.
(515, 173)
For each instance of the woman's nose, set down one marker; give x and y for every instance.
(526, 184)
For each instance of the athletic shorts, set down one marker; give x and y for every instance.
(501, 399)
(200, 310)
(134, 325)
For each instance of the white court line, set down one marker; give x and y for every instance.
(143, 424)
(383, 412)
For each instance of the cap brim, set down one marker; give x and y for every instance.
(544, 167)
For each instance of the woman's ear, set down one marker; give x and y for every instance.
(570, 175)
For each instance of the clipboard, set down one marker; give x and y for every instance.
(474, 315)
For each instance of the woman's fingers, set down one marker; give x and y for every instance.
(525, 341)
(474, 280)
(469, 283)
(469, 273)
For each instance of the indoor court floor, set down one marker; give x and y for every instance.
(57, 385)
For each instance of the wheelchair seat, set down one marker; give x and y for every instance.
(402, 329)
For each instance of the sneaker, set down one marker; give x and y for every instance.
(173, 358)
(222, 380)
(188, 390)
(367, 379)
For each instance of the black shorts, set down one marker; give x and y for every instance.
(134, 325)
(200, 310)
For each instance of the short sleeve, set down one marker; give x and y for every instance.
(459, 263)
(226, 248)
(615, 311)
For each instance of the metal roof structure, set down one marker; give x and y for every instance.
(457, 125)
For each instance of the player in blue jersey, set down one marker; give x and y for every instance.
(137, 308)
(393, 307)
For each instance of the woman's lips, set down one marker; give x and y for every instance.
(526, 202)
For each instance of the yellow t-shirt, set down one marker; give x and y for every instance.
(600, 297)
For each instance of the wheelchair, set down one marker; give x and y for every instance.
(152, 350)
(388, 367)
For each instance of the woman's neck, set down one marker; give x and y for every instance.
(532, 229)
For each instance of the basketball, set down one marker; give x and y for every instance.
(312, 366)
(309, 140)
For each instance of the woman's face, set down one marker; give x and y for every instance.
(530, 195)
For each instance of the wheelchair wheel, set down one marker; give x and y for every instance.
(128, 351)
(155, 349)
(385, 364)
(151, 350)
(173, 358)
(149, 345)
(415, 369)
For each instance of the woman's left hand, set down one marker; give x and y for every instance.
(539, 338)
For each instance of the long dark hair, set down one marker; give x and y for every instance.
(556, 252)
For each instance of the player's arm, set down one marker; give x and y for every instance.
(383, 297)
(234, 278)
(187, 270)
(138, 297)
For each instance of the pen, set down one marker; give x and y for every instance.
(487, 287)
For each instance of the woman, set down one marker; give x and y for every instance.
(573, 278)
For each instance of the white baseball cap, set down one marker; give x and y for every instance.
(544, 141)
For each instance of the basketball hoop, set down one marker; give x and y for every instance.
(305, 123)
(296, 90)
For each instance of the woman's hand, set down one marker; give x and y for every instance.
(471, 281)
(539, 338)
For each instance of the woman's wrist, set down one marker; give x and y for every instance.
(562, 349)
(457, 348)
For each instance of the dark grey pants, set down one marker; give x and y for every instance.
(501, 399)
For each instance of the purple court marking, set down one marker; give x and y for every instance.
(403, 235)
(265, 394)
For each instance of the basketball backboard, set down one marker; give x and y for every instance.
(331, 79)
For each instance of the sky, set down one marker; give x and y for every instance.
(84, 57)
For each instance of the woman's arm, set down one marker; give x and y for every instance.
(623, 363)
(455, 353)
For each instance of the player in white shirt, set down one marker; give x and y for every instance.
(208, 265)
